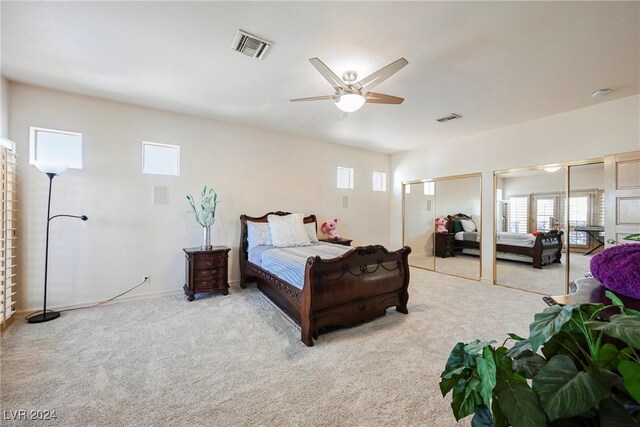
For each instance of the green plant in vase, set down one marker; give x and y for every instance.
(205, 213)
(572, 370)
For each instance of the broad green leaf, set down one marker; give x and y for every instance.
(476, 347)
(547, 324)
(515, 337)
(564, 343)
(487, 373)
(621, 326)
(504, 367)
(615, 300)
(608, 357)
(613, 414)
(519, 404)
(482, 417)
(631, 374)
(457, 358)
(464, 402)
(447, 384)
(519, 348)
(528, 364)
(566, 392)
(499, 420)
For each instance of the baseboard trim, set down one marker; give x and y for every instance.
(142, 296)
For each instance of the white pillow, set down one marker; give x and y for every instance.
(468, 225)
(258, 234)
(310, 228)
(288, 230)
(476, 220)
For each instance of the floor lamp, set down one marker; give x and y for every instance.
(51, 171)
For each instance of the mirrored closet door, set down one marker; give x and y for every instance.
(442, 224)
(458, 205)
(419, 223)
(586, 216)
(530, 229)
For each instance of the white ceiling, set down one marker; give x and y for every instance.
(495, 63)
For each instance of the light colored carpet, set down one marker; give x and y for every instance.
(461, 265)
(549, 280)
(236, 361)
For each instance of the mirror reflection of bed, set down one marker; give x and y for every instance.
(535, 237)
(424, 201)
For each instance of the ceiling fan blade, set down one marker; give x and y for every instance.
(329, 75)
(312, 98)
(381, 98)
(382, 74)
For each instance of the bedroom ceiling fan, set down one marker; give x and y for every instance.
(350, 95)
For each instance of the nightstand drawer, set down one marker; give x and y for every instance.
(204, 262)
(209, 284)
(208, 274)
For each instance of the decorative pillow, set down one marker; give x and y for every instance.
(618, 269)
(310, 228)
(287, 230)
(258, 234)
(468, 225)
(457, 226)
(476, 220)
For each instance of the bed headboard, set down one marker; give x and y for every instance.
(451, 218)
(246, 218)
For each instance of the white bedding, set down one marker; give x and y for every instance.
(516, 239)
(289, 263)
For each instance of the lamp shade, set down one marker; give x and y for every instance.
(350, 102)
(51, 168)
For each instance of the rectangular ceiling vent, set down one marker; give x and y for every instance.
(452, 116)
(251, 45)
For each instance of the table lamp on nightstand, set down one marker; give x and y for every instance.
(51, 171)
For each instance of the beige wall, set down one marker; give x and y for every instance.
(584, 177)
(4, 107)
(586, 133)
(126, 237)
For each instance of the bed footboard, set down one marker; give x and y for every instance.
(547, 248)
(354, 288)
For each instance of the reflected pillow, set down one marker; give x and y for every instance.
(467, 225)
(476, 220)
(288, 230)
(457, 226)
(258, 234)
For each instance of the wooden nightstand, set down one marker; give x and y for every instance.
(344, 242)
(445, 245)
(206, 271)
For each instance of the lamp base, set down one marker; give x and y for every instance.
(44, 317)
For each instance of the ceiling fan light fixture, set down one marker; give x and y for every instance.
(350, 102)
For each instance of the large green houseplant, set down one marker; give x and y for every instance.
(587, 372)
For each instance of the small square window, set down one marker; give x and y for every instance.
(379, 181)
(160, 159)
(429, 188)
(55, 147)
(345, 177)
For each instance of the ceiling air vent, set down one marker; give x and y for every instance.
(452, 116)
(251, 45)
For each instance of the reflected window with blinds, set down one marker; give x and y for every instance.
(8, 232)
(518, 214)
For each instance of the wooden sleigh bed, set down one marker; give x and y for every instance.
(356, 287)
(546, 250)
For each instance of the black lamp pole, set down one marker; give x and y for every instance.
(46, 316)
